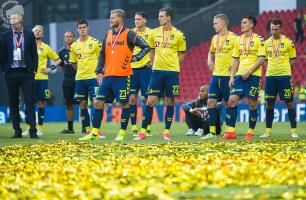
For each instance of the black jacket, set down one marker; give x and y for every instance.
(30, 51)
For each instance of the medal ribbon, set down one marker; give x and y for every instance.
(246, 52)
(276, 48)
(18, 43)
(219, 47)
(113, 44)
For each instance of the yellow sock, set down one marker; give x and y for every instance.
(87, 129)
(293, 130)
(231, 129)
(143, 130)
(212, 129)
(122, 132)
(28, 126)
(39, 127)
(269, 130)
(251, 130)
(226, 128)
(95, 131)
(134, 127)
(149, 127)
(167, 131)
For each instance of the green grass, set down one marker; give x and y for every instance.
(58, 166)
(281, 131)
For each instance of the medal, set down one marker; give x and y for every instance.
(113, 44)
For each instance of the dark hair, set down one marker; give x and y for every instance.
(82, 22)
(142, 14)
(276, 21)
(168, 11)
(252, 20)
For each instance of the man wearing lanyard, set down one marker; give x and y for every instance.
(249, 55)
(281, 55)
(19, 64)
(115, 64)
(141, 71)
(219, 62)
(69, 80)
(168, 50)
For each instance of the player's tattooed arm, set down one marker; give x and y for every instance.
(145, 48)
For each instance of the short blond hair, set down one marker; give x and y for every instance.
(119, 12)
(222, 17)
(38, 27)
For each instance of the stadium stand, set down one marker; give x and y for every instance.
(195, 72)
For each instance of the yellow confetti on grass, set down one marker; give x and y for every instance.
(70, 170)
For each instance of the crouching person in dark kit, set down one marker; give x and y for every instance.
(196, 114)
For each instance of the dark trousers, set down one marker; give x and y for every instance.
(299, 35)
(195, 122)
(16, 79)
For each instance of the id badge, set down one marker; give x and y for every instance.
(17, 54)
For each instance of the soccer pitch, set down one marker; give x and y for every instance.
(60, 167)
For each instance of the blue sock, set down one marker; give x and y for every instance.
(85, 118)
(292, 117)
(169, 116)
(147, 118)
(133, 110)
(212, 112)
(41, 115)
(253, 118)
(97, 118)
(232, 111)
(227, 116)
(125, 115)
(269, 117)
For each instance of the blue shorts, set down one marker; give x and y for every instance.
(85, 87)
(42, 92)
(281, 85)
(140, 80)
(218, 88)
(248, 88)
(114, 87)
(164, 83)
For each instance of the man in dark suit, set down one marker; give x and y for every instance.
(19, 63)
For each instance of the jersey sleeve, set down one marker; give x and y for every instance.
(261, 47)
(266, 49)
(72, 55)
(98, 48)
(151, 39)
(181, 43)
(212, 48)
(236, 53)
(51, 54)
(291, 50)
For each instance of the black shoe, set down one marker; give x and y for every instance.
(67, 131)
(18, 134)
(34, 135)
